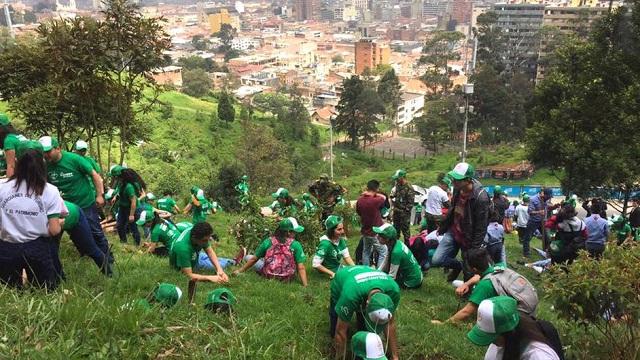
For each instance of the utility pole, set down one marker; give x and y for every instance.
(331, 120)
(468, 91)
(7, 16)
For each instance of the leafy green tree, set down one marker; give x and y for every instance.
(492, 42)
(199, 42)
(389, 92)
(585, 114)
(197, 62)
(226, 112)
(337, 59)
(166, 111)
(196, 82)
(224, 189)
(358, 111)
(438, 51)
(296, 119)
(438, 123)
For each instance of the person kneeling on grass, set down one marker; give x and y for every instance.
(332, 248)
(278, 255)
(399, 262)
(370, 294)
(163, 231)
(183, 254)
(512, 334)
(487, 277)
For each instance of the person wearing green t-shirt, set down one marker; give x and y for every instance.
(76, 225)
(78, 183)
(399, 262)
(370, 294)
(166, 203)
(480, 263)
(163, 232)
(622, 229)
(82, 148)
(131, 187)
(199, 205)
(9, 139)
(270, 259)
(332, 248)
(183, 255)
(284, 205)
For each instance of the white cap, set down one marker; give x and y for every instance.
(81, 145)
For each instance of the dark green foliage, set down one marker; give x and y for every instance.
(226, 112)
(199, 42)
(601, 296)
(166, 111)
(224, 191)
(438, 51)
(196, 82)
(197, 62)
(440, 120)
(389, 92)
(358, 111)
(315, 137)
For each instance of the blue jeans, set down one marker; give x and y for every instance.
(445, 255)
(123, 226)
(369, 242)
(532, 226)
(34, 256)
(257, 266)
(93, 220)
(83, 239)
(205, 263)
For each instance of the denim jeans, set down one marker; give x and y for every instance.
(532, 226)
(83, 239)
(257, 266)
(93, 219)
(205, 263)
(124, 226)
(369, 242)
(34, 256)
(445, 255)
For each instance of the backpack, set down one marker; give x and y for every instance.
(279, 262)
(510, 283)
(552, 336)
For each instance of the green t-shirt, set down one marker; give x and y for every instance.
(167, 204)
(94, 164)
(71, 220)
(182, 254)
(623, 232)
(72, 176)
(484, 288)
(330, 254)
(11, 141)
(126, 194)
(351, 286)
(409, 272)
(165, 232)
(296, 250)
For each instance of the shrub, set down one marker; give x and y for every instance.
(602, 297)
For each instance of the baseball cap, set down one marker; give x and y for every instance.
(116, 170)
(525, 198)
(446, 180)
(306, 196)
(24, 146)
(291, 224)
(367, 346)
(498, 190)
(145, 217)
(496, 316)
(387, 230)
(400, 173)
(109, 194)
(150, 196)
(332, 221)
(81, 145)
(4, 119)
(48, 143)
(462, 171)
(280, 193)
(379, 310)
(167, 294)
(218, 297)
(245, 177)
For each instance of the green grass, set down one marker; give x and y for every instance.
(86, 316)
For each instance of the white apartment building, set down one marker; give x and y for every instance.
(411, 107)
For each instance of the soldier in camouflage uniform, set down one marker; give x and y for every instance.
(402, 200)
(327, 192)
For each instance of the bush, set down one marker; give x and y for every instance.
(224, 190)
(603, 298)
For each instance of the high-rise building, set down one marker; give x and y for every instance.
(521, 24)
(370, 53)
(462, 11)
(307, 10)
(219, 16)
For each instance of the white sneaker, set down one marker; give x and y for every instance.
(538, 269)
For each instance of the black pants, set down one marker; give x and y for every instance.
(35, 257)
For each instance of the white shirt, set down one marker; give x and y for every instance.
(25, 218)
(522, 213)
(435, 199)
(533, 351)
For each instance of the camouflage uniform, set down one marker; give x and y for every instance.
(402, 204)
(327, 192)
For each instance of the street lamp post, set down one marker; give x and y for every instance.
(468, 91)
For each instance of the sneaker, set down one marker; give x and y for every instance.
(240, 255)
(538, 269)
(453, 275)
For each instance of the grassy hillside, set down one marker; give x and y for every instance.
(87, 316)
